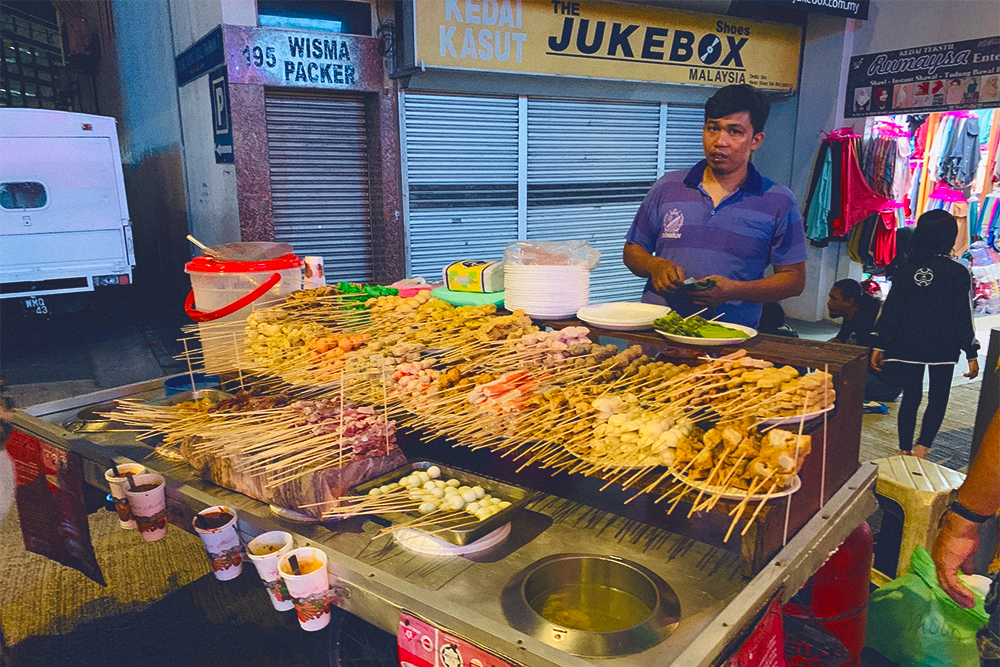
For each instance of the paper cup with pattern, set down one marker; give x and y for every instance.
(117, 485)
(148, 504)
(264, 551)
(310, 588)
(217, 530)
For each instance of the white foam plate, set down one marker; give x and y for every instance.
(738, 494)
(794, 419)
(414, 540)
(688, 340)
(622, 315)
(292, 515)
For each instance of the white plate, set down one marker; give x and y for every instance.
(414, 540)
(711, 341)
(292, 515)
(622, 315)
(795, 419)
(739, 494)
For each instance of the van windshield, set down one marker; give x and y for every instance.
(22, 195)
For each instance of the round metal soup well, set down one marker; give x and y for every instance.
(594, 606)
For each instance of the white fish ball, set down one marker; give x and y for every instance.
(434, 472)
(479, 491)
(424, 477)
(404, 481)
(472, 508)
(450, 491)
(384, 488)
(440, 483)
(375, 492)
(427, 508)
(456, 502)
(453, 482)
(504, 505)
(497, 501)
(483, 514)
(463, 488)
(437, 493)
(469, 496)
(430, 485)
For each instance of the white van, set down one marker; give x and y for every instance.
(64, 223)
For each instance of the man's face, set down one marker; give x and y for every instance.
(729, 141)
(837, 304)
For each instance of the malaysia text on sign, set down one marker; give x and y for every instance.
(296, 58)
(606, 41)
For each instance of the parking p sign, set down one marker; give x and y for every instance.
(222, 128)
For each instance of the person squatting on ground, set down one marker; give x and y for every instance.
(860, 311)
(926, 321)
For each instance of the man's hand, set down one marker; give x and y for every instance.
(722, 291)
(666, 276)
(878, 360)
(956, 541)
(973, 369)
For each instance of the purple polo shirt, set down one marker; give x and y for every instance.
(757, 225)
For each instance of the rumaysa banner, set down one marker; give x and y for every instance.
(942, 77)
(605, 40)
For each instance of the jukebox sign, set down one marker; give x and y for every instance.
(605, 41)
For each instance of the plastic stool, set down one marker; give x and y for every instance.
(924, 490)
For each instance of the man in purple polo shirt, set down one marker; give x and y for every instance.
(720, 220)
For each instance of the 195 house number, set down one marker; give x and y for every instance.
(259, 57)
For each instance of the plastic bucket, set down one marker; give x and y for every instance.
(228, 291)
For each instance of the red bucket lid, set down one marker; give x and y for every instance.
(206, 264)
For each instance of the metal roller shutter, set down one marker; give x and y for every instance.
(589, 166)
(683, 140)
(318, 154)
(461, 178)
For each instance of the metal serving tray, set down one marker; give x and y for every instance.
(516, 495)
(90, 419)
(213, 395)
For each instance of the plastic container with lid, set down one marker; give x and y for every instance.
(228, 291)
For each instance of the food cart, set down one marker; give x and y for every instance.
(722, 590)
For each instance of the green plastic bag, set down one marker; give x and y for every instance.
(913, 622)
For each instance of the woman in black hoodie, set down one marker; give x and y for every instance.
(927, 321)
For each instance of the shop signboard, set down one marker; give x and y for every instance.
(942, 77)
(302, 59)
(604, 41)
(200, 57)
(849, 9)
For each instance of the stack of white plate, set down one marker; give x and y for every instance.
(546, 291)
(622, 315)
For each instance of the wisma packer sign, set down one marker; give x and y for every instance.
(604, 41)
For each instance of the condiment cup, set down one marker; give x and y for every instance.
(117, 486)
(267, 565)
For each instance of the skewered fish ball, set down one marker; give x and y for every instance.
(457, 502)
(434, 472)
(472, 508)
(469, 496)
(426, 508)
(479, 491)
(453, 482)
